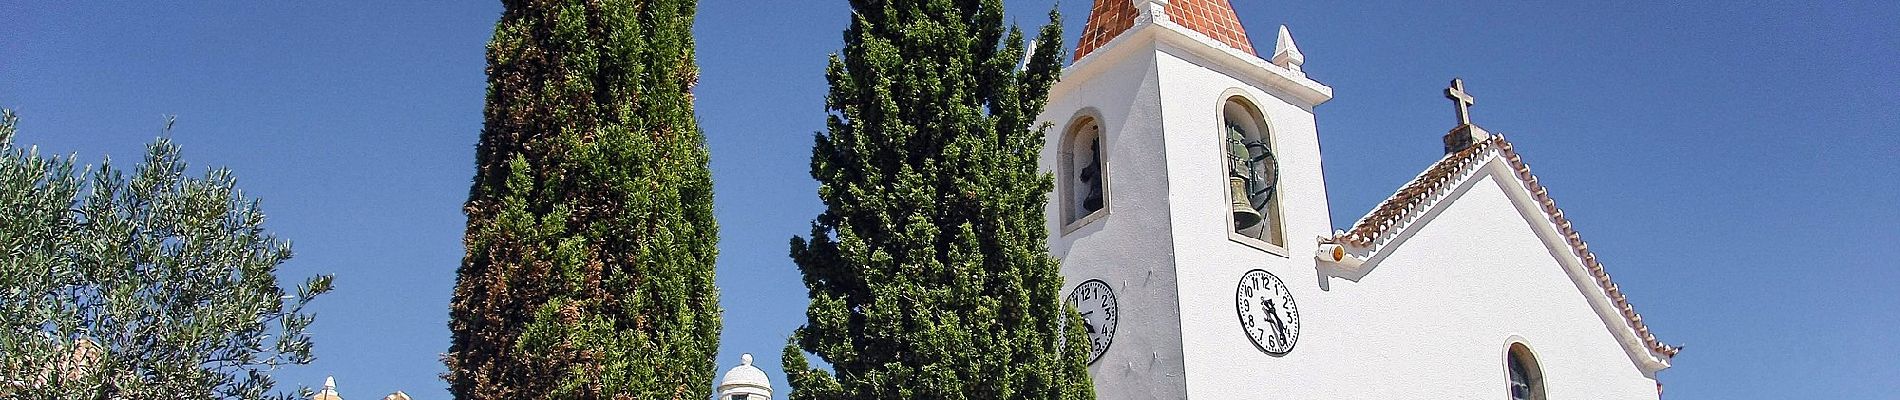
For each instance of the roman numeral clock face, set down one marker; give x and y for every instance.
(1267, 313)
(1096, 302)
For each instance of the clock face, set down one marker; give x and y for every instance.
(1096, 302)
(1267, 313)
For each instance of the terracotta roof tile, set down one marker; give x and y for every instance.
(1214, 18)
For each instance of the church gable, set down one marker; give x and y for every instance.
(1353, 253)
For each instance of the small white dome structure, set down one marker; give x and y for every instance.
(745, 382)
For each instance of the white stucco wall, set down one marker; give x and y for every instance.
(1127, 245)
(1223, 362)
(1432, 319)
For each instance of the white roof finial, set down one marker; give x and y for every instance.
(745, 359)
(329, 390)
(1285, 53)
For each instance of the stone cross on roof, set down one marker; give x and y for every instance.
(1463, 100)
(1465, 134)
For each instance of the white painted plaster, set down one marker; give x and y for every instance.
(1129, 248)
(1431, 318)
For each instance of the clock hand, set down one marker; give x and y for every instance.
(1273, 317)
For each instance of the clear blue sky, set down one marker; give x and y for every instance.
(1734, 165)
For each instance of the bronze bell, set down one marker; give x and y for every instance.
(1245, 216)
(1092, 176)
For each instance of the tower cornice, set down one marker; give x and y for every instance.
(1163, 33)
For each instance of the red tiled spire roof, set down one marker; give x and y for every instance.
(1214, 18)
(1107, 19)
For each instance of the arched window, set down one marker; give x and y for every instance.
(1525, 377)
(1253, 173)
(1083, 180)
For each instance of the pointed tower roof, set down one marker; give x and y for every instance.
(1214, 18)
(1285, 53)
(329, 390)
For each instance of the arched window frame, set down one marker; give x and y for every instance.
(1071, 159)
(1239, 103)
(1519, 352)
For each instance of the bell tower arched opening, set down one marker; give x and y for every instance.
(1253, 172)
(1082, 180)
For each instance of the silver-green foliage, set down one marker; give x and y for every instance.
(154, 285)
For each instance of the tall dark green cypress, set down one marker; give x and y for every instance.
(589, 271)
(928, 272)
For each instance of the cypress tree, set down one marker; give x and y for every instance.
(928, 272)
(590, 241)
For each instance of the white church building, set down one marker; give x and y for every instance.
(1191, 218)
(1192, 223)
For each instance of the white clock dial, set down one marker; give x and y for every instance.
(1096, 302)
(1267, 313)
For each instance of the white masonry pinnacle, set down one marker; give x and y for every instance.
(1028, 54)
(329, 390)
(1285, 53)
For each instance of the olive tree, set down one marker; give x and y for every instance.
(147, 285)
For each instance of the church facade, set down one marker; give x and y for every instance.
(1191, 218)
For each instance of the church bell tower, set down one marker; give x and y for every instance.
(1188, 175)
